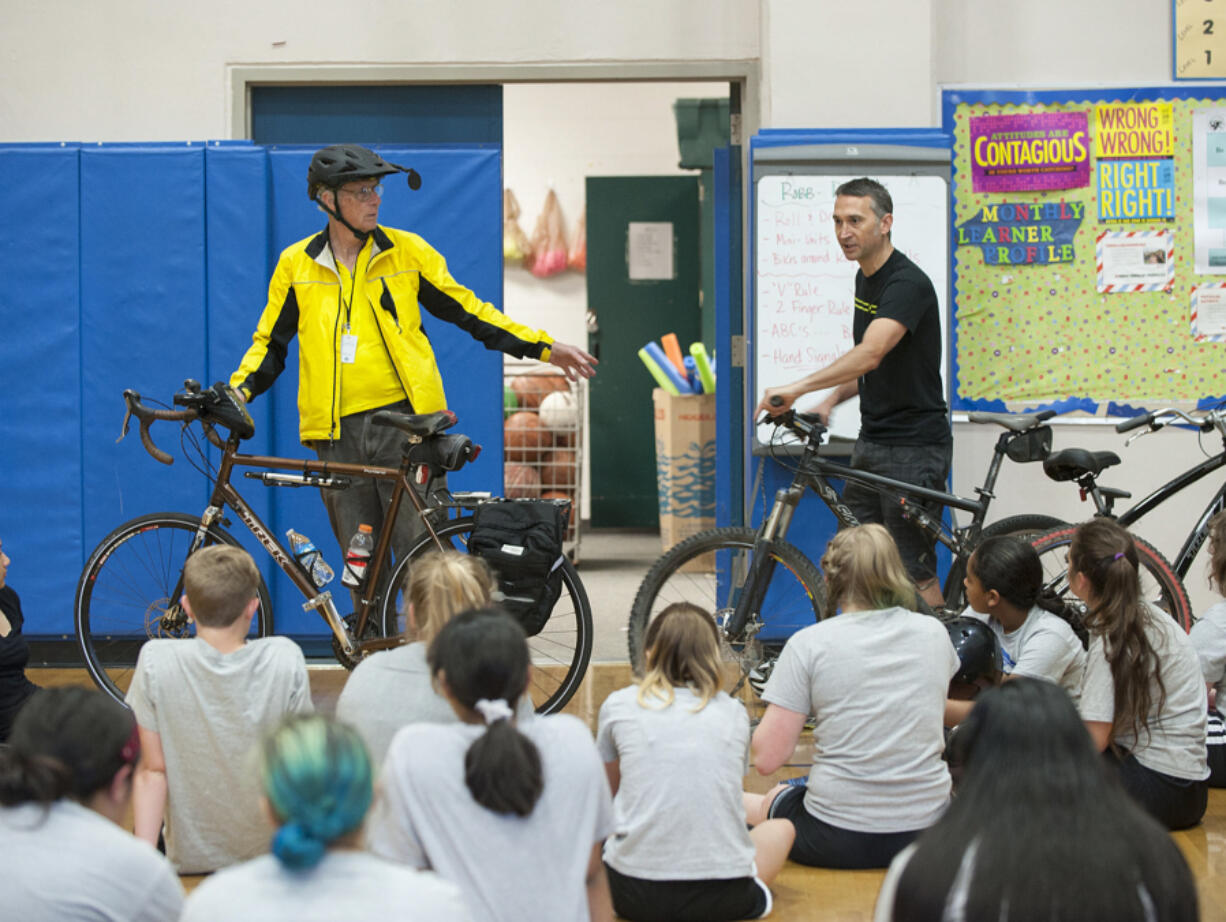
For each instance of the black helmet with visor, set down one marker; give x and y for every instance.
(338, 164)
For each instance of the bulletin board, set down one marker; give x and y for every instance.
(1089, 248)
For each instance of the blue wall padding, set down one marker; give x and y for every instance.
(40, 379)
(148, 264)
(142, 321)
(239, 259)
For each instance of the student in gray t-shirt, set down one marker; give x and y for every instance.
(675, 749)
(393, 688)
(1143, 699)
(875, 678)
(202, 705)
(66, 783)
(317, 779)
(1004, 580)
(1208, 636)
(515, 815)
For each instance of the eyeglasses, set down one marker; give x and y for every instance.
(365, 193)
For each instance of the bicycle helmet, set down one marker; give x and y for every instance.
(334, 166)
(341, 163)
(977, 648)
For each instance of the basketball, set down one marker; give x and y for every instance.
(522, 482)
(558, 469)
(524, 438)
(532, 389)
(562, 494)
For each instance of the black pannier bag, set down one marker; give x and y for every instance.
(521, 540)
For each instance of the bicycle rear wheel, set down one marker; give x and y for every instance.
(1160, 584)
(1027, 527)
(560, 651)
(709, 570)
(129, 593)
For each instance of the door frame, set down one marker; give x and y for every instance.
(744, 77)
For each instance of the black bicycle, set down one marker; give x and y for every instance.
(748, 576)
(1161, 582)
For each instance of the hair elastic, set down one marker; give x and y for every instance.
(131, 748)
(1118, 556)
(495, 710)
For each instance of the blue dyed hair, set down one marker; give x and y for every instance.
(317, 777)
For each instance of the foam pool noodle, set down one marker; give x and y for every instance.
(657, 372)
(705, 373)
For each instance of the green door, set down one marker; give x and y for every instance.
(637, 291)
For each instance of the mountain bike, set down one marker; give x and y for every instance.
(1161, 582)
(130, 588)
(747, 576)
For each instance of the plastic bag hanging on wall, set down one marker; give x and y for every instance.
(577, 259)
(548, 240)
(516, 247)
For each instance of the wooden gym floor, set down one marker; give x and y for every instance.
(801, 894)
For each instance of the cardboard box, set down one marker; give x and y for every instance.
(685, 467)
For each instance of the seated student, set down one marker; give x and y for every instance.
(393, 688)
(203, 704)
(316, 775)
(514, 814)
(875, 678)
(15, 688)
(1143, 699)
(65, 785)
(1208, 636)
(676, 750)
(1003, 582)
(1039, 830)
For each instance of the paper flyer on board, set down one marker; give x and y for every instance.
(1209, 312)
(1209, 191)
(1130, 261)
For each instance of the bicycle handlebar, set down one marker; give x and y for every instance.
(147, 415)
(1213, 419)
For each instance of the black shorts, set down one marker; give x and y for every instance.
(922, 465)
(820, 845)
(640, 900)
(1175, 802)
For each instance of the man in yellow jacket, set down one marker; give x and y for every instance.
(353, 294)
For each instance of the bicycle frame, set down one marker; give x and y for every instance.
(1200, 531)
(226, 494)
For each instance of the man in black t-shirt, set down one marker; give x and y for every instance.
(895, 367)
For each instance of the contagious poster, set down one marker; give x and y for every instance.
(1049, 150)
(1075, 284)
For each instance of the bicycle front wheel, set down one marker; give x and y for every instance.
(1160, 584)
(709, 570)
(1026, 527)
(560, 651)
(129, 593)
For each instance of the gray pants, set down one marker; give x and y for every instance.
(366, 501)
(922, 465)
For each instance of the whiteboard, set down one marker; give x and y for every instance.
(805, 288)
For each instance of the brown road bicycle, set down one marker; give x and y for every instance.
(130, 588)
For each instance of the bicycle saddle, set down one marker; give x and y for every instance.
(1018, 422)
(419, 424)
(1074, 463)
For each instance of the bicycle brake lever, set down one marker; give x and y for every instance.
(123, 429)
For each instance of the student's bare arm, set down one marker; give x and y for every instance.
(775, 738)
(149, 788)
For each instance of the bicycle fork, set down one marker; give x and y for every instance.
(762, 567)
